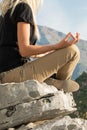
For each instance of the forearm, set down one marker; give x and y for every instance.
(41, 55)
(35, 50)
(30, 50)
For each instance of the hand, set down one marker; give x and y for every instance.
(68, 40)
(71, 39)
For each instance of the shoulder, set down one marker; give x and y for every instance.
(22, 7)
(23, 13)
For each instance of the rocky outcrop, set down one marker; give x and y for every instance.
(37, 106)
(65, 123)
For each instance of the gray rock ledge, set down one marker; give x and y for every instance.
(31, 101)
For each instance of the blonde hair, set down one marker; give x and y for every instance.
(34, 4)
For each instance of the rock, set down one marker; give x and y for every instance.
(31, 125)
(32, 101)
(16, 93)
(11, 129)
(65, 123)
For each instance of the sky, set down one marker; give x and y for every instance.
(64, 16)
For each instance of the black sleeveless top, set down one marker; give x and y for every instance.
(9, 53)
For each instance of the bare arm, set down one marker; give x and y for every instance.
(25, 49)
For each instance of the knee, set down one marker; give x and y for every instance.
(75, 51)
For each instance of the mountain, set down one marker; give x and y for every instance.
(51, 36)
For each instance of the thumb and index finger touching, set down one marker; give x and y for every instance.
(71, 38)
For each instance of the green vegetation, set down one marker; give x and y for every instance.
(81, 97)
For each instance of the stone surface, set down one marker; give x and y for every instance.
(16, 93)
(65, 123)
(11, 129)
(32, 101)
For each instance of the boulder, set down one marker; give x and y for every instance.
(65, 123)
(31, 101)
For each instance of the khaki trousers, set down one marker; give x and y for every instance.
(62, 62)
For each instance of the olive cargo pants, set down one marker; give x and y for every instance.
(62, 62)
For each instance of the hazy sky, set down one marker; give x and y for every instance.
(64, 16)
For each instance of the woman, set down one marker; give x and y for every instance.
(20, 35)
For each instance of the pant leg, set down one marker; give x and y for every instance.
(14, 75)
(62, 62)
(67, 70)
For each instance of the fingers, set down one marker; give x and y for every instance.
(67, 36)
(77, 36)
(71, 39)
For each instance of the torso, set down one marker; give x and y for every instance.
(9, 53)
